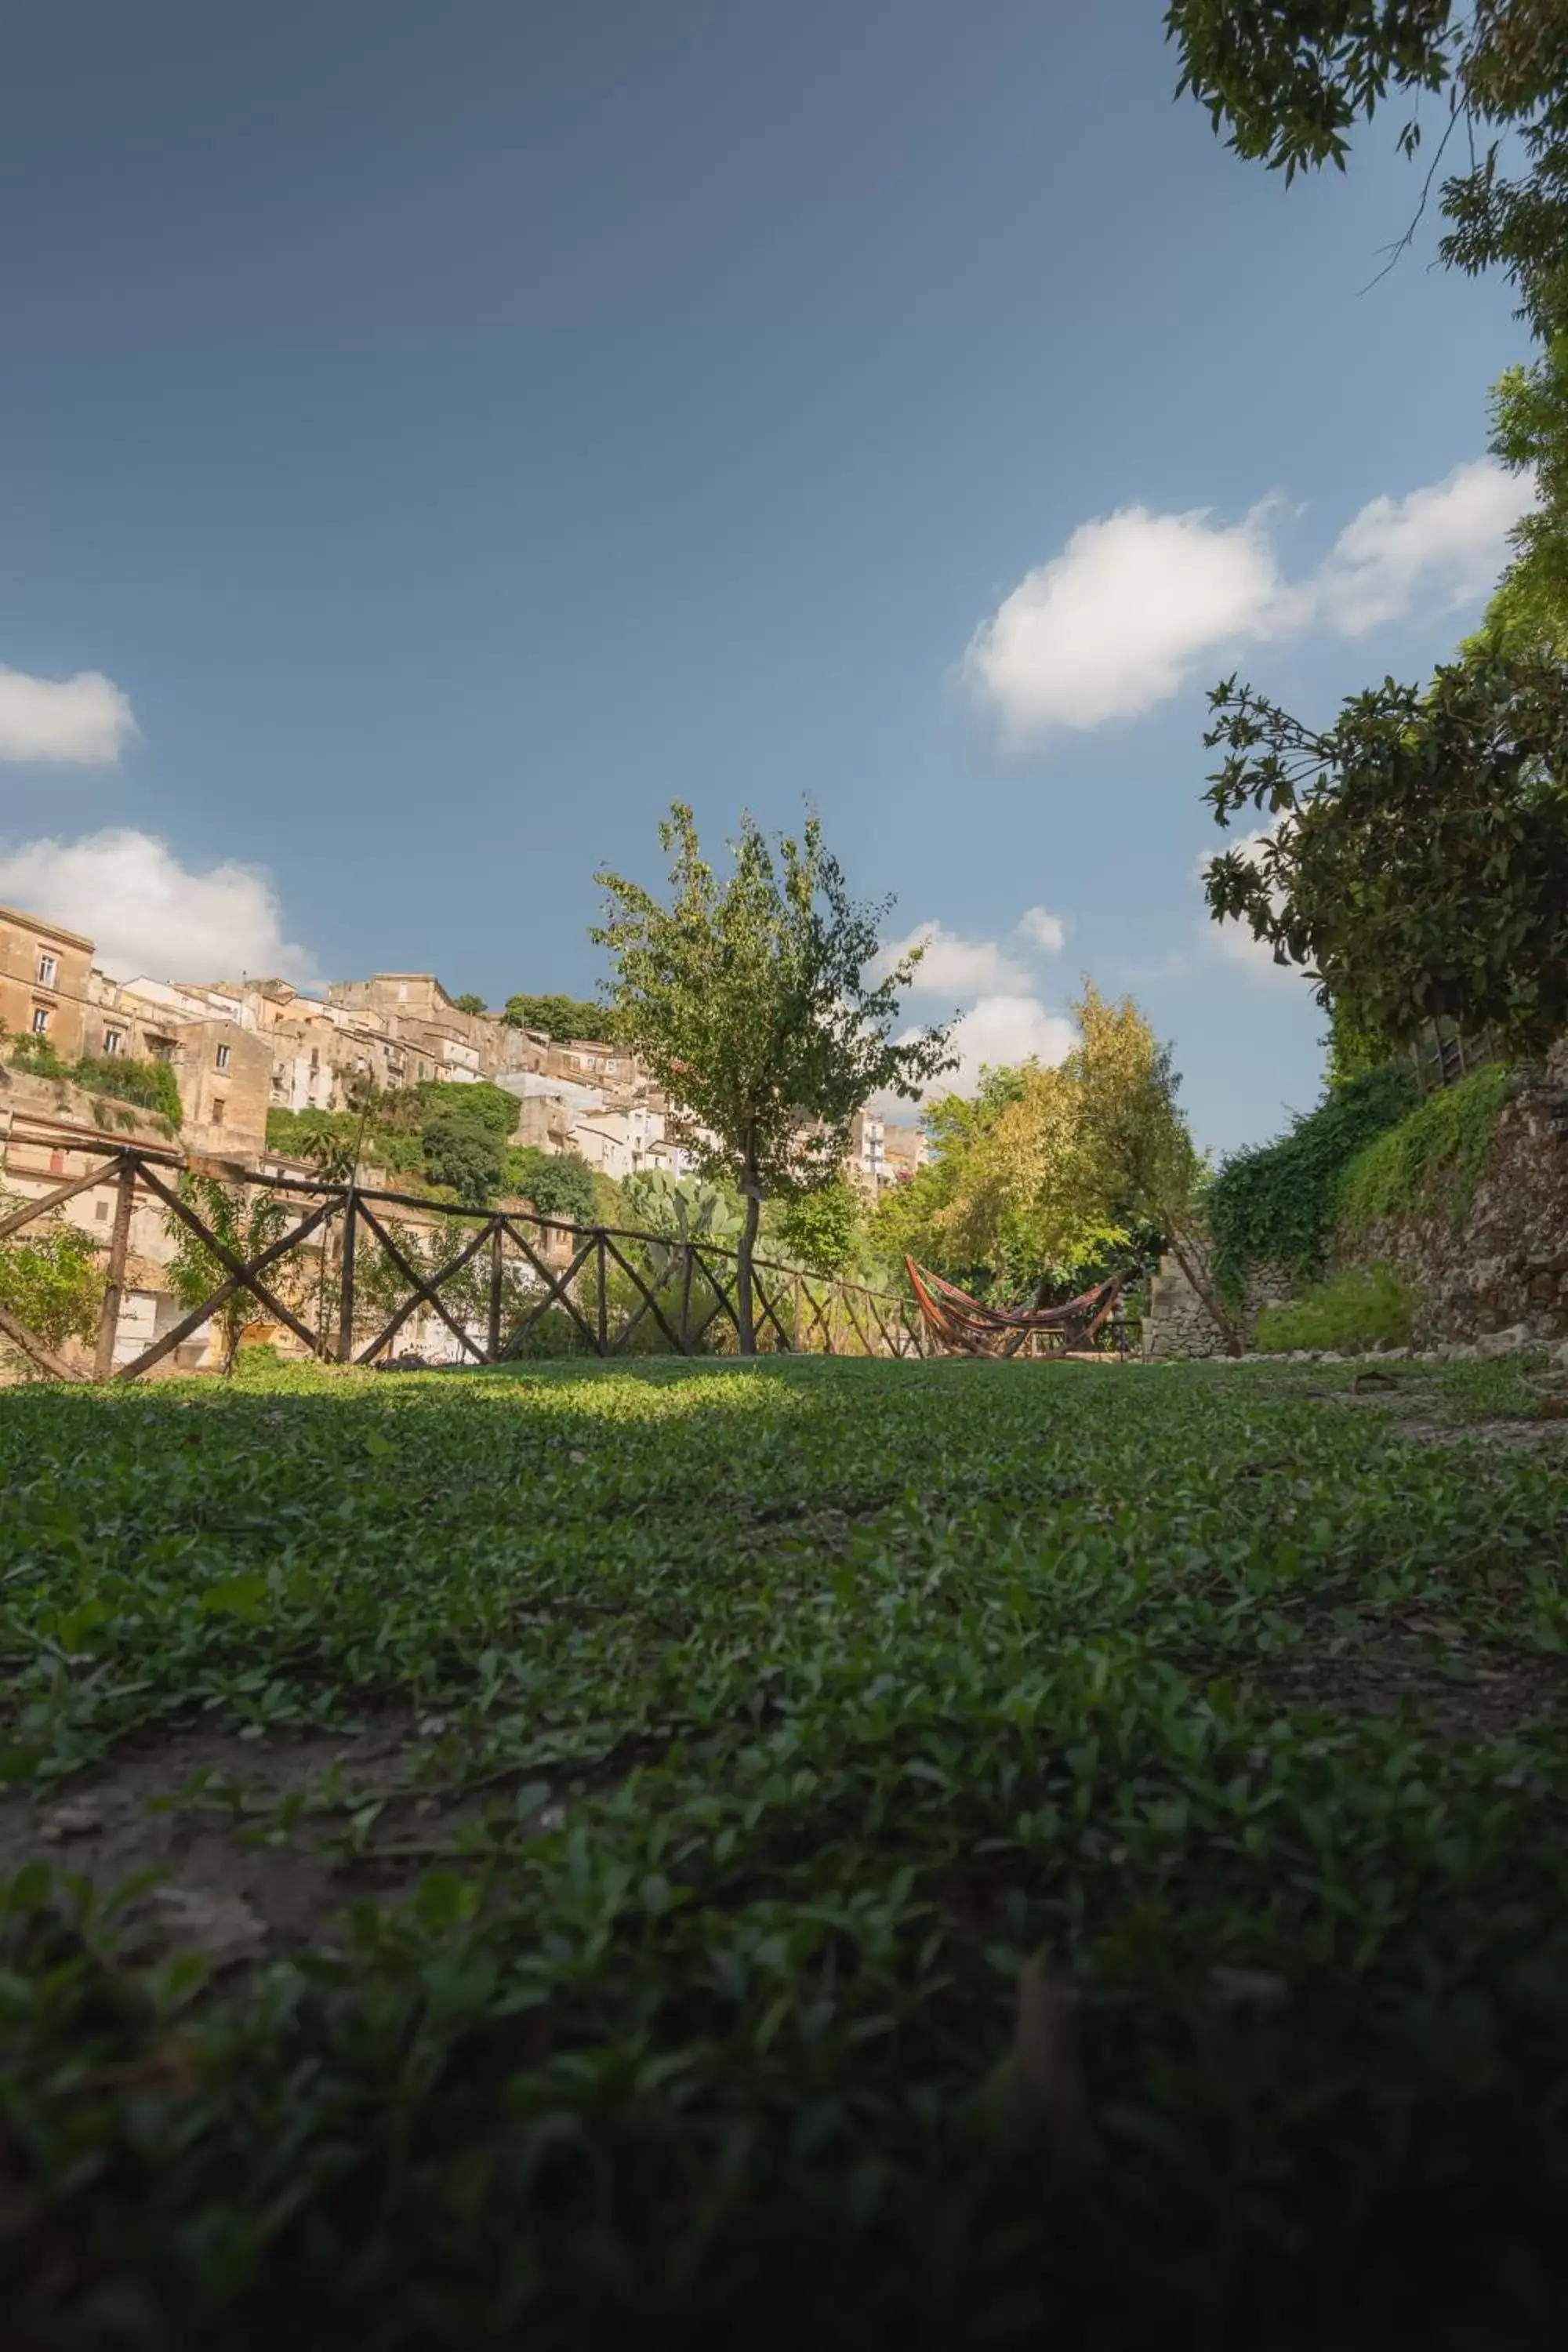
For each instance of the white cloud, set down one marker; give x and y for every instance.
(1120, 620)
(1115, 622)
(1451, 537)
(150, 916)
(84, 720)
(1047, 932)
(999, 1029)
(954, 966)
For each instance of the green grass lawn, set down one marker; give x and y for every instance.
(832, 1854)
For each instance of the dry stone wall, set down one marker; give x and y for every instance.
(1179, 1324)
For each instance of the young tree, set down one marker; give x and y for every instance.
(470, 1003)
(750, 1001)
(246, 1224)
(1416, 850)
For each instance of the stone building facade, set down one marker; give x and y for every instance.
(44, 978)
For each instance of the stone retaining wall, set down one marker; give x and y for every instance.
(1507, 1266)
(1179, 1324)
(1503, 1272)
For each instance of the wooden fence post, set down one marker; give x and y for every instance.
(603, 1324)
(496, 1271)
(119, 1246)
(346, 1292)
(686, 1343)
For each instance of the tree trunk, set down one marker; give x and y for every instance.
(743, 1315)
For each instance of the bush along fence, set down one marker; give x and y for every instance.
(346, 1272)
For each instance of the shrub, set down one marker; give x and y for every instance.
(1433, 1159)
(559, 1185)
(51, 1280)
(823, 1230)
(150, 1086)
(1351, 1311)
(1278, 1204)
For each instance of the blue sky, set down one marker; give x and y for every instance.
(438, 437)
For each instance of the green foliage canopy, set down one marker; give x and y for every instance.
(563, 1017)
(463, 1156)
(1415, 853)
(558, 1184)
(1289, 78)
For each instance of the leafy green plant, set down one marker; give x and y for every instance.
(150, 1086)
(1277, 1205)
(1433, 1159)
(1352, 1310)
(50, 1280)
(247, 1222)
(479, 1105)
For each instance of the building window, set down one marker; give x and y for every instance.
(161, 1048)
(113, 1041)
(40, 1020)
(315, 1059)
(100, 1208)
(223, 1057)
(47, 967)
(218, 1108)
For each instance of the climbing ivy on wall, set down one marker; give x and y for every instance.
(1277, 1205)
(1433, 1159)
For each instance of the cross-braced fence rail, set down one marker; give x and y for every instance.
(346, 1270)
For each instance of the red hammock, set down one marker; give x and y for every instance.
(957, 1321)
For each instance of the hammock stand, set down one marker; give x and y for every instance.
(963, 1326)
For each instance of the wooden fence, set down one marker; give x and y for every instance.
(1443, 1054)
(508, 1282)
